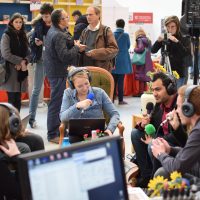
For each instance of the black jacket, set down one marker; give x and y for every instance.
(80, 25)
(176, 52)
(9, 180)
(39, 32)
(59, 53)
(176, 138)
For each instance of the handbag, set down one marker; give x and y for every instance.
(139, 58)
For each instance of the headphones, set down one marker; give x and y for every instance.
(14, 120)
(172, 87)
(75, 71)
(188, 107)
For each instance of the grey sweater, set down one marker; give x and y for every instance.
(187, 159)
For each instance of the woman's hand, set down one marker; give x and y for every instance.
(84, 104)
(12, 148)
(18, 67)
(108, 132)
(172, 38)
(23, 65)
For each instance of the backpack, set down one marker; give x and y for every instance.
(105, 31)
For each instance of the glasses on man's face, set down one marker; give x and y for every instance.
(64, 18)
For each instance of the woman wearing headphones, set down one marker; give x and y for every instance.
(76, 104)
(13, 141)
(185, 160)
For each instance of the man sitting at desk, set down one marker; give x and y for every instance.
(76, 104)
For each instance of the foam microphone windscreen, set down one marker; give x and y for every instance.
(90, 96)
(150, 130)
(149, 107)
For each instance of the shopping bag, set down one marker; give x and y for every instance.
(139, 58)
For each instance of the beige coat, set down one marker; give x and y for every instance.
(103, 53)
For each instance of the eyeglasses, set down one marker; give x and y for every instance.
(63, 18)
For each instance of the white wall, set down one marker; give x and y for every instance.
(115, 9)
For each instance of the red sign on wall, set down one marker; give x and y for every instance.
(146, 18)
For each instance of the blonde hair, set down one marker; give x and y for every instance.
(139, 32)
(83, 73)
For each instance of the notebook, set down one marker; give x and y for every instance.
(83, 171)
(83, 126)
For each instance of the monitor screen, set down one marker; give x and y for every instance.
(83, 171)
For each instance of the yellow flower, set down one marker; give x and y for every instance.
(175, 74)
(155, 182)
(174, 175)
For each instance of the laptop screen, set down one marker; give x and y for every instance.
(83, 126)
(84, 171)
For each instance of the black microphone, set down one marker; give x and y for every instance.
(149, 108)
(169, 117)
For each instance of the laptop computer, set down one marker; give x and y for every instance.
(83, 126)
(83, 171)
(25, 120)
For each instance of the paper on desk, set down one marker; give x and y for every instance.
(136, 193)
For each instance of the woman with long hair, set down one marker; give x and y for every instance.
(15, 49)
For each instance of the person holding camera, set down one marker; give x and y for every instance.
(175, 46)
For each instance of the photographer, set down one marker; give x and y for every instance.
(177, 47)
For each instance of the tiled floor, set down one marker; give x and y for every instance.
(125, 111)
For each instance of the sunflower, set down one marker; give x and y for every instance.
(156, 185)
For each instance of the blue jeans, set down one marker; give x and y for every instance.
(38, 82)
(141, 150)
(58, 85)
(180, 82)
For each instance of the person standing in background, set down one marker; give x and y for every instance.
(123, 62)
(100, 41)
(177, 47)
(37, 44)
(14, 49)
(142, 43)
(59, 53)
(80, 23)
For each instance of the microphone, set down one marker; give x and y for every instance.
(149, 108)
(169, 117)
(150, 130)
(89, 96)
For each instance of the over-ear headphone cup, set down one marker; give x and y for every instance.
(14, 124)
(188, 109)
(171, 89)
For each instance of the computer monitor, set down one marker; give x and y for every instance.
(83, 171)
